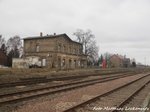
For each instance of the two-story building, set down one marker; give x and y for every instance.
(55, 51)
(116, 60)
(119, 61)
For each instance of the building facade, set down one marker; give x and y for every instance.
(3, 58)
(55, 51)
(116, 61)
(126, 62)
(119, 61)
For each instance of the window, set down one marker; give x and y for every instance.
(37, 48)
(63, 62)
(64, 48)
(70, 63)
(30, 48)
(79, 63)
(69, 49)
(43, 62)
(74, 51)
(75, 63)
(77, 51)
(81, 50)
(59, 47)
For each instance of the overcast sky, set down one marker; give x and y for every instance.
(120, 26)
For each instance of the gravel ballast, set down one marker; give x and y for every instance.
(72, 98)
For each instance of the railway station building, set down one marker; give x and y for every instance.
(55, 51)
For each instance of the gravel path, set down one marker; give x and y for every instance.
(137, 101)
(74, 97)
(114, 99)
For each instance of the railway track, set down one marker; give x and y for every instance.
(30, 94)
(114, 100)
(32, 81)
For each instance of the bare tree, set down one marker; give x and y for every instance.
(3, 44)
(2, 41)
(87, 39)
(80, 35)
(14, 43)
(92, 50)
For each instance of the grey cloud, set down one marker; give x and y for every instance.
(120, 26)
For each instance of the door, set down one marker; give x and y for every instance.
(43, 62)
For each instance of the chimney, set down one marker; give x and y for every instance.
(41, 34)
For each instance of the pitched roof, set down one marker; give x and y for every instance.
(51, 36)
(119, 56)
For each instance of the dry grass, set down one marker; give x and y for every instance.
(10, 71)
(11, 74)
